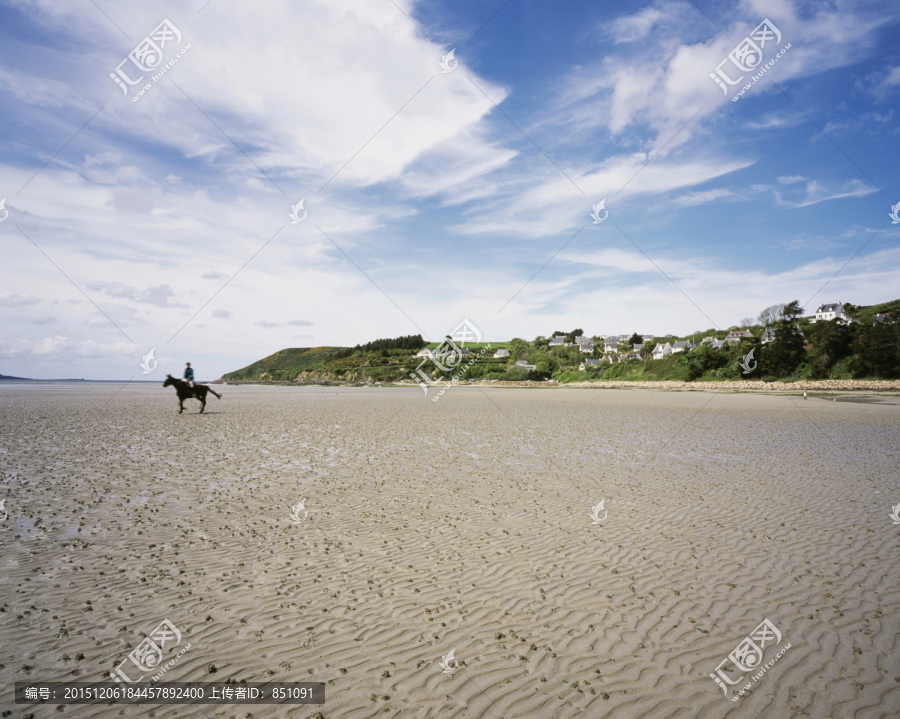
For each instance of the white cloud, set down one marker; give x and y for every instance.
(9, 298)
(815, 192)
(692, 199)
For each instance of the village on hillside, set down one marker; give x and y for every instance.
(714, 354)
(838, 341)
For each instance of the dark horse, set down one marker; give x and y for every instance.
(198, 391)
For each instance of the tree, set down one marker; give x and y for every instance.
(770, 315)
(829, 343)
(517, 349)
(635, 339)
(792, 311)
(784, 355)
(877, 350)
(748, 322)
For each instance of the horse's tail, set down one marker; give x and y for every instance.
(218, 396)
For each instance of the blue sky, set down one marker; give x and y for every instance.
(142, 221)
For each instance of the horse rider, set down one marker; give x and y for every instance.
(189, 375)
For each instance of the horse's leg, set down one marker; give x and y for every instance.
(202, 403)
(180, 404)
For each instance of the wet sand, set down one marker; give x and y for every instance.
(462, 524)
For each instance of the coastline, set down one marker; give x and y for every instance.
(827, 385)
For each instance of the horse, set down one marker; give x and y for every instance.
(185, 391)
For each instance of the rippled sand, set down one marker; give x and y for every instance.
(459, 524)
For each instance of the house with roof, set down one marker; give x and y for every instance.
(768, 335)
(716, 344)
(832, 311)
(662, 350)
(524, 365)
(558, 341)
(647, 338)
(882, 317)
(501, 353)
(428, 353)
(586, 347)
(638, 347)
(682, 346)
(610, 346)
(632, 356)
(611, 358)
(735, 336)
(589, 363)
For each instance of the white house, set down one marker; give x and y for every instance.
(610, 346)
(611, 358)
(768, 336)
(882, 317)
(682, 346)
(558, 341)
(638, 347)
(586, 347)
(501, 353)
(662, 350)
(716, 344)
(735, 336)
(580, 339)
(429, 353)
(632, 356)
(588, 363)
(648, 338)
(832, 311)
(524, 365)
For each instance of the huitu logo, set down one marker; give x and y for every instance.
(600, 207)
(149, 653)
(295, 512)
(446, 61)
(595, 513)
(448, 663)
(895, 513)
(6, 514)
(745, 363)
(894, 214)
(748, 656)
(148, 55)
(294, 213)
(748, 55)
(146, 363)
(4, 213)
(448, 355)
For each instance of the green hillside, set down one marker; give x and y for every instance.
(801, 350)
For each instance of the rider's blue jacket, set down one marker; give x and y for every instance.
(189, 373)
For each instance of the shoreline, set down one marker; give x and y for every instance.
(827, 385)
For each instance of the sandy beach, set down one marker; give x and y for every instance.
(463, 524)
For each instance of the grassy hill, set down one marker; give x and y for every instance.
(826, 350)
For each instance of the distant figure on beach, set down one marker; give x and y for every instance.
(189, 375)
(804, 395)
